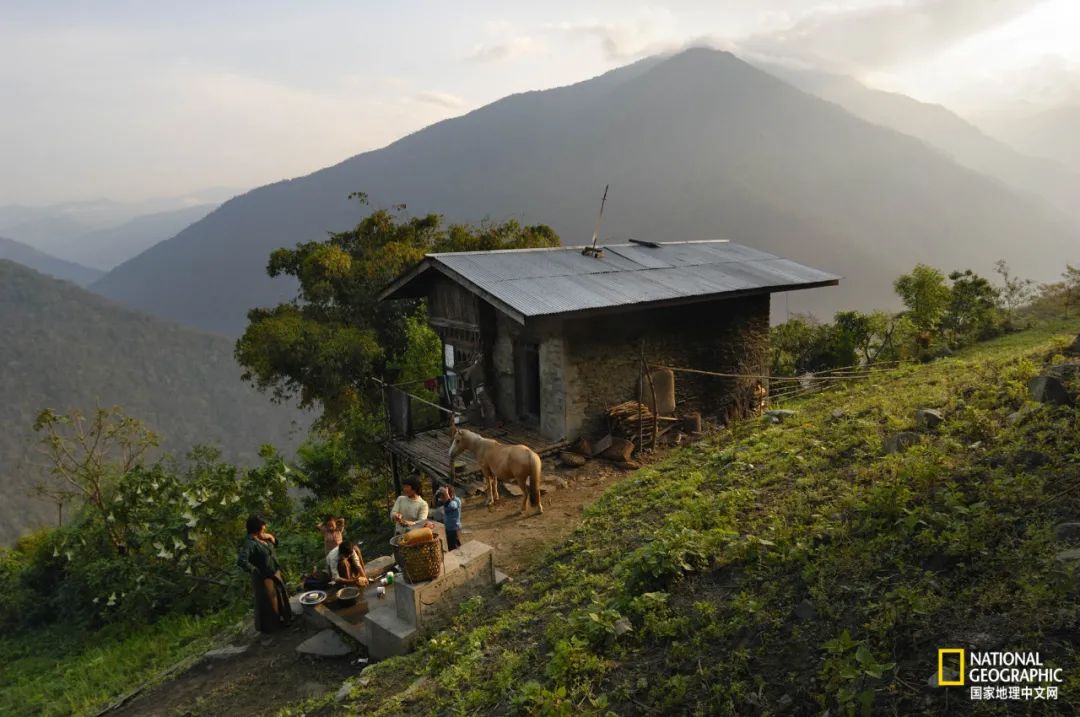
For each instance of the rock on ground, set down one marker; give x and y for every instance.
(899, 441)
(928, 418)
(572, 460)
(1051, 386)
(1016, 416)
(1067, 531)
(223, 653)
(327, 643)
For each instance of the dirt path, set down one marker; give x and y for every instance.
(267, 675)
(270, 674)
(516, 538)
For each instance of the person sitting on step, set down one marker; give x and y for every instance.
(345, 565)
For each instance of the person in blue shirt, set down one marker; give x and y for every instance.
(451, 506)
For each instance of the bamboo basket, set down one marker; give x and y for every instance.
(419, 562)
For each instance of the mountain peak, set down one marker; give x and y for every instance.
(699, 144)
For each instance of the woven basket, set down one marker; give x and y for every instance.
(419, 561)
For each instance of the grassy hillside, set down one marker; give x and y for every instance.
(64, 348)
(792, 568)
(78, 674)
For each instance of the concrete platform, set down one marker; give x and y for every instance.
(393, 625)
(386, 634)
(467, 570)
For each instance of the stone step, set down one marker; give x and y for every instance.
(378, 567)
(387, 634)
(327, 643)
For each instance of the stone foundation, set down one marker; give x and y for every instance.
(603, 355)
(395, 623)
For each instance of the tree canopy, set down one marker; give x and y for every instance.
(321, 347)
(925, 294)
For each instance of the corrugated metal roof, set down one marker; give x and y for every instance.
(546, 282)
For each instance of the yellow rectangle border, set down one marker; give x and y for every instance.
(942, 651)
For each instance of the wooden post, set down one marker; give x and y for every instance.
(640, 400)
(395, 470)
(652, 390)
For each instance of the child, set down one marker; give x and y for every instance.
(451, 516)
(333, 530)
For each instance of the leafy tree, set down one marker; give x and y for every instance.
(88, 457)
(1014, 292)
(321, 347)
(148, 536)
(788, 344)
(926, 296)
(803, 344)
(1071, 285)
(972, 307)
(870, 335)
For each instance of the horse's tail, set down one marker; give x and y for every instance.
(534, 478)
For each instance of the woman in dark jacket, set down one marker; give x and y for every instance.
(258, 558)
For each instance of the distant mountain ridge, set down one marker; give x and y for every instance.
(63, 348)
(49, 265)
(51, 227)
(1052, 133)
(697, 145)
(112, 246)
(970, 146)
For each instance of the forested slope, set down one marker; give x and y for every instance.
(64, 348)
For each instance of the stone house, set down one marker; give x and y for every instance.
(560, 333)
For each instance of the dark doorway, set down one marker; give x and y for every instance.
(528, 381)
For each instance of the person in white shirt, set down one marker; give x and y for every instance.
(409, 509)
(346, 566)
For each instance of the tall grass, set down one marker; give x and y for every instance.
(57, 671)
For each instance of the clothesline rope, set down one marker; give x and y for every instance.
(805, 377)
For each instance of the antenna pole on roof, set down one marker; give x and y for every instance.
(593, 250)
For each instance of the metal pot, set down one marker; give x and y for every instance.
(311, 599)
(348, 596)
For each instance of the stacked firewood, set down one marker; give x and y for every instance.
(631, 420)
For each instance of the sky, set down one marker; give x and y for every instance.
(131, 99)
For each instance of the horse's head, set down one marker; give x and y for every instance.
(462, 441)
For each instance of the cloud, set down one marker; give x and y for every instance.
(505, 50)
(650, 31)
(1053, 80)
(440, 99)
(883, 34)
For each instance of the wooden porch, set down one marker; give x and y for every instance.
(429, 451)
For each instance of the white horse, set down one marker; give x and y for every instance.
(501, 462)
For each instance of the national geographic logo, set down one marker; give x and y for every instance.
(998, 675)
(941, 653)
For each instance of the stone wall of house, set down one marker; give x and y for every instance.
(601, 358)
(502, 361)
(548, 336)
(552, 393)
